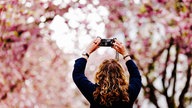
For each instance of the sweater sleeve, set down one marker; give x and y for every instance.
(85, 86)
(135, 80)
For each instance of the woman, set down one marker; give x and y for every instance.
(112, 89)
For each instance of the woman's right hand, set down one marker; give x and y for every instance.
(120, 48)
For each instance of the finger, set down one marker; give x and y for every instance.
(118, 45)
(98, 40)
(95, 41)
(118, 42)
(115, 46)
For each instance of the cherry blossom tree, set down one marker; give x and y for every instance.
(31, 64)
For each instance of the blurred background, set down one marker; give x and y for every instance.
(40, 39)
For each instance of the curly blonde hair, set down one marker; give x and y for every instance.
(112, 83)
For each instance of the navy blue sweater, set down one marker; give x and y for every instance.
(87, 87)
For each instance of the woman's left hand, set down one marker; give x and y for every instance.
(93, 45)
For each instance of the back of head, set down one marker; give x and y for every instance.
(112, 83)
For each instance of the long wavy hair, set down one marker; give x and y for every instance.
(112, 83)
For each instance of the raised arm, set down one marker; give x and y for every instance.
(85, 86)
(135, 79)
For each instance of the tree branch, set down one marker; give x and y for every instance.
(170, 100)
(174, 75)
(185, 89)
(165, 71)
(150, 89)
